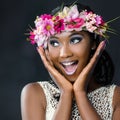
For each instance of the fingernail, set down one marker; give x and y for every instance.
(103, 44)
(98, 53)
(37, 48)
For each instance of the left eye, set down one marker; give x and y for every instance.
(75, 40)
(54, 43)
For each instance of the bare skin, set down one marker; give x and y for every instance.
(61, 48)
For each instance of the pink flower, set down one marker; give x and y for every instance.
(68, 19)
(75, 23)
(46, 16)
(48, 27)
(31, 37)
(59, 26)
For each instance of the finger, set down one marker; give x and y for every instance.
(48, 56)
(47, 64)
(40, 50)
(91, 65)
(43, 56)
(59, 79)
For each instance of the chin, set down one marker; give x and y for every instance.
(72, 79)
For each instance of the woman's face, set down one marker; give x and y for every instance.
(70, 52)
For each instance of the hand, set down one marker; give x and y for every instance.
(60, 80)
(82, 81)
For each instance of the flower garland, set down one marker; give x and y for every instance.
(68, 19)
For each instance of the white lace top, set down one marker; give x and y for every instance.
(100, 98)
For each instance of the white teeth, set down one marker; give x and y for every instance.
(67, 63)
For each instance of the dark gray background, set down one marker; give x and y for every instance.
(19, 60)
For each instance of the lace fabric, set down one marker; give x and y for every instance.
(100, 98)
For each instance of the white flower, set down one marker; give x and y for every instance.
(40, 40)
(90, 27)
(83, 14)
(73, 12)
(38, 22)
(90, 16)
(64, 13)
(38, 30)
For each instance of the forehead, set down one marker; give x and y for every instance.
(70, 33)
(63, 34)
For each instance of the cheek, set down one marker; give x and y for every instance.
(83, 51)
(53, 54)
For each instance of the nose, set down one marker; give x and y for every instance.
(65, 52)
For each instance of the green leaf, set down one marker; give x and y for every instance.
(113, 20)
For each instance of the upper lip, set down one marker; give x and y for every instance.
(67, 63)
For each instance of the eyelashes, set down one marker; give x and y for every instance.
(73, 40)
(54, 43)
(76, 40)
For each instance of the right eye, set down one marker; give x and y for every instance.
(54, 43)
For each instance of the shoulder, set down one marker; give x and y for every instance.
(33, 102)
(116, 97)
(33, 92)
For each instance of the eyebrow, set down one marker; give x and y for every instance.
(53, 37)
(75, 33)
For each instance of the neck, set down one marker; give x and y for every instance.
(93, 85)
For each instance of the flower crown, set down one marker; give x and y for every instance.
(68, 19)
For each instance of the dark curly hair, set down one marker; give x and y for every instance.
(104, 70)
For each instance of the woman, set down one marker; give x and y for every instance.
(81, 71)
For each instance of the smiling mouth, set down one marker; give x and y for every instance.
(70, 67)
